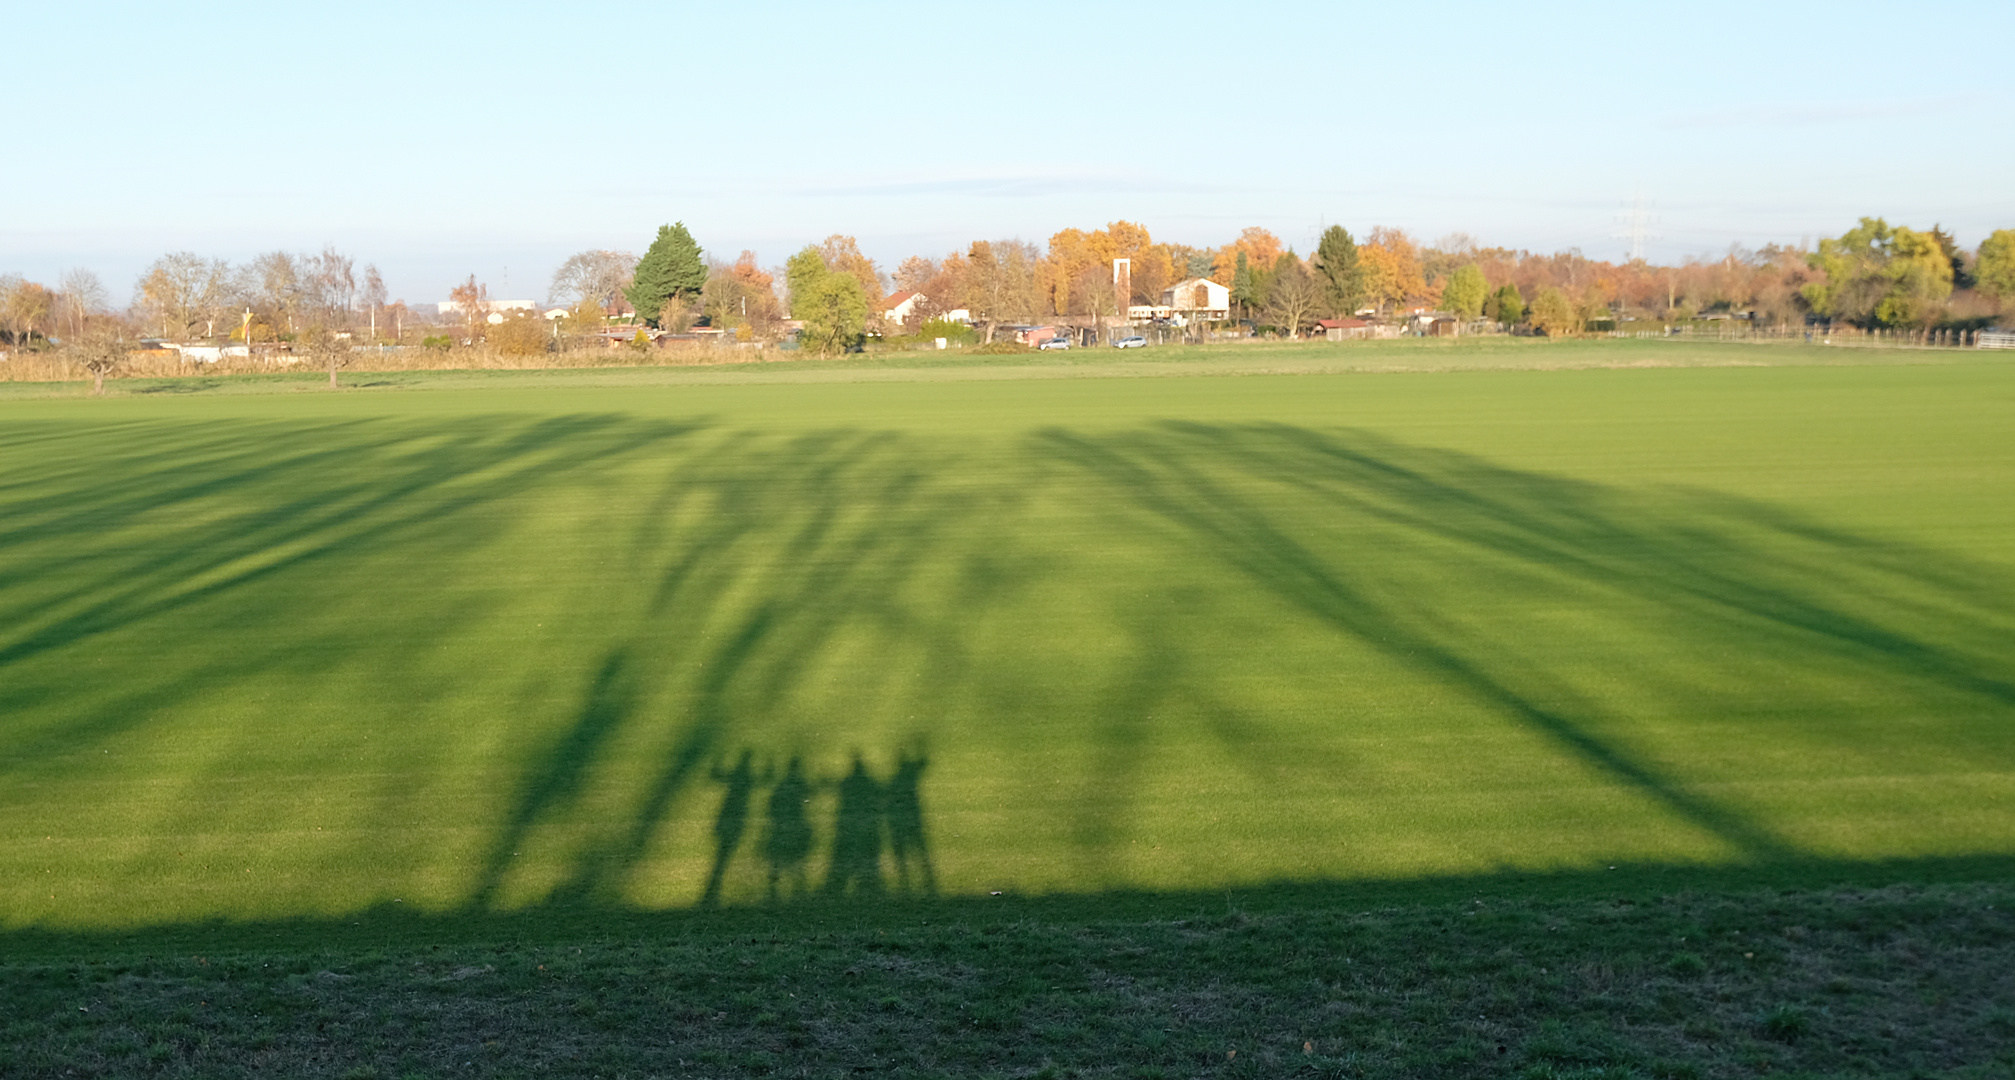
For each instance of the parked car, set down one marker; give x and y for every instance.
(1055, 343)
(1134, 342)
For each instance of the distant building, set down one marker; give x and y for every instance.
(454, 307)
(905, 308)
(1429, 323)
(1342, 329)
(899, 307)
(1199, 298)
(1029, 335)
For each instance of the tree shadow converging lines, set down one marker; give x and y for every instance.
(764, 569)
(610, 701)
(1392, 545)
(152, 520)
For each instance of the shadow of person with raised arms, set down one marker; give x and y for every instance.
(787, 841)
(857, 836)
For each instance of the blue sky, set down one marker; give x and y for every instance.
(442, 140)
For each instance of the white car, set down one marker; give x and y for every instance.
(1055, 343)
(1134, 342)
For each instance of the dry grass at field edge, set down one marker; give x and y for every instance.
(47, 375)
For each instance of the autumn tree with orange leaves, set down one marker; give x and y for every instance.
(1067, 272)
(1261, 248)
(1391, 265)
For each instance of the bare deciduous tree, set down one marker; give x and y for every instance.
(82, 296)
(271, 287)
(1295, 297)
(183, 290)
(329, 349)
(374, 295)
(332, 286)
(101, 353)
(597, 275)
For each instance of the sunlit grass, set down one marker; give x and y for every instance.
(276, 656)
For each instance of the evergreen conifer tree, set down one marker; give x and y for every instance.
(1342, 277)
(670, 269)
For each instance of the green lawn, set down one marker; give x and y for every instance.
(646, 640)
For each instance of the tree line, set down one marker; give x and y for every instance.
(1873, 275)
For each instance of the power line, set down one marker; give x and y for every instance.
(1637, 222)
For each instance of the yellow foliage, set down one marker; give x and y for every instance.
(1261, 248)
(1074, 252)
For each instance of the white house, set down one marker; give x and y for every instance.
(1199, 298)
(898, 308)
(454, 307)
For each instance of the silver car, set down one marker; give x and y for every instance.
(1134, 342)
(1055, 343)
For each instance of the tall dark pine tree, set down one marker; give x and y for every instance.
(1342, 277)
(671, 268)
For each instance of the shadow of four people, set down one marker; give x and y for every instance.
(873, 818)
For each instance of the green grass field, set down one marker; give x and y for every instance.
(1585, 710)
(513, 642)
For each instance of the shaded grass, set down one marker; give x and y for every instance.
(299, 658)
(1883, 981)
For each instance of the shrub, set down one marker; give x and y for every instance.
(524, 335)
(956, 333)
(1002, 348)
(441, 342)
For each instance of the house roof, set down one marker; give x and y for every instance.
(898, 299)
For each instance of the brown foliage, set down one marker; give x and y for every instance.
(520, 334)
(843, 256)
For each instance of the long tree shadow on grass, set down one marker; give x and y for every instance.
(760, 566)
(120, 523)
(768, 555)
(758, 559)
(1315, 518)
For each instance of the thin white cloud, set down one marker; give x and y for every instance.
(1012, 186)
(1811, 114)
